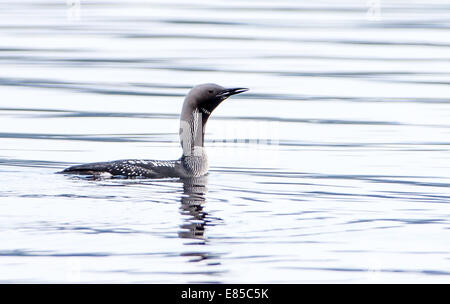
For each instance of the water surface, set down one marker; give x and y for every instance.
(334, 167)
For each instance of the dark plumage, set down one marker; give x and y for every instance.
(198, 105)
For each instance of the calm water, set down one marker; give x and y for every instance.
(334, 167)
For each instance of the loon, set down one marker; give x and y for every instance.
(198, 105)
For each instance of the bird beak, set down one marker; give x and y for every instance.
(228, 92)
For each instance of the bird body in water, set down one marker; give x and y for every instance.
(198, 105)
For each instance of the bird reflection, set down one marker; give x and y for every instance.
(192, 202)
(195, 221)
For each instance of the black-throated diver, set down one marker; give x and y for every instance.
(197, 107)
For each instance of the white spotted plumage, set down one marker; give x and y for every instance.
(197, 107)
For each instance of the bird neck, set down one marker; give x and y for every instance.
(192, 132)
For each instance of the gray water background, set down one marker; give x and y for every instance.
(334, 167)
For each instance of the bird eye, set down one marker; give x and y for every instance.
(210, 91)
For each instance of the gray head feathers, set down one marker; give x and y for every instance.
(198, 105)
